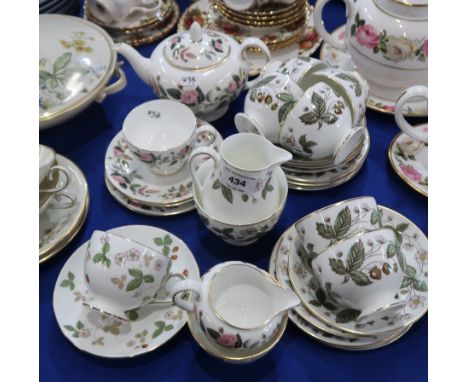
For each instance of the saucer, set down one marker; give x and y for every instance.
(136, 182)
(148, 327)
(306, 44)
(58, 227)
(303, 179)
(414, 283)
(308, 323)
(342, 60)
(408, 158)
(147, 209)
(236, 356)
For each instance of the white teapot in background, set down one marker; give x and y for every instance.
(236, 304)
(205, 70)
(124, 13)
(387, 41)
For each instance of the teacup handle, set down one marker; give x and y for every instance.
(348, 144)
(318, 23)
(60, 170)
(407, 95)
(185, 286)
(253, 42)
(206, 129)
(201, 151)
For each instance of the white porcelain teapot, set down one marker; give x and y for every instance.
(387, 41)
(236, 304)
(206, 70)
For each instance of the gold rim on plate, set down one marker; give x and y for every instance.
(395, 168)
(268, 13)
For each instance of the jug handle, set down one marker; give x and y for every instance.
(408, 94)
(201, 151)
(320, 27)
(185, 286)
(253, 42)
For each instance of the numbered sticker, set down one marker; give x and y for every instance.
(188, 81)
(238, 182)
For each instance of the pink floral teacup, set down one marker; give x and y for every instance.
(163, 133)
(122, 275)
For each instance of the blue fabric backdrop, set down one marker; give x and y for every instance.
(297, 356)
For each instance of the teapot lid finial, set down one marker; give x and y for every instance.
(196, 32)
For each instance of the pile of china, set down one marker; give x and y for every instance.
(315, 112)
(135, 22)
(360, 271)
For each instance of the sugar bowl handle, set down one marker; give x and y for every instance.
(193, 171)
(253, 42)
(407, 95)
(318, 22)
(185, 286)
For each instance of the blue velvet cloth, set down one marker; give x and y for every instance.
(297, 357)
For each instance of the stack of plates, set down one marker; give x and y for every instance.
(319, 317)
(65, 7)
(310, 175)
(147, 31)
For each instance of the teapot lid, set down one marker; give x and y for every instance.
(197, 49)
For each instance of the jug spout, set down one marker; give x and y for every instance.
(140, 64)
(279, 155)
(284, 299)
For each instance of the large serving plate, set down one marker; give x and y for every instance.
(76, 60)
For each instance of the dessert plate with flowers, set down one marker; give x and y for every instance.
(148, 209)
(304, 44)
(413, 287)
(310, 324)
(136, 182)
(408, 158)
(341, 59)
(148, 327)
(58, 226)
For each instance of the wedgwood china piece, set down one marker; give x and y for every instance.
(148, 209)
(46, 161)
(134, 180)
(76, 61)
(148, 327)
(236, 305)
(305, 44)
(123, 275)
(244, 5)
(57, 227)
(241, 188)
(387, 40)
(414, 285)
(420, 134)
(181, 68)
(329, 225)
(125, 13)
(240, 234)
(311, 325)
(364, 273)
(162, 134)
(342, 60)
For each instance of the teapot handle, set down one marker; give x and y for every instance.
(318, 23)
(408, 94)
(253, 42)
(185, 286)
(115, 87)
(193, 171)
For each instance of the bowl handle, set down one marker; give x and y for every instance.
(407, 95)
(318, 23)
(193, 171)
(253, 42)
(115, 87)
(185, 286)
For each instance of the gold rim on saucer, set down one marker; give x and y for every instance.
(269, 12)
(281, 13)
(395, 168)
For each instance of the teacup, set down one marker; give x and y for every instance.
(364, 273)
(162, 134)
(299, 68)
(332, 224)
(320, 124)
(122, 274)
(420, 132)
(267, 104)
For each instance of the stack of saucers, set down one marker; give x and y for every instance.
(65, 7)
(360, 270)
(134, 22)
(151, 176)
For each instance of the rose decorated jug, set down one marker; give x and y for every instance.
(387, 41)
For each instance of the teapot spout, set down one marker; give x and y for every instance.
(140, 64)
